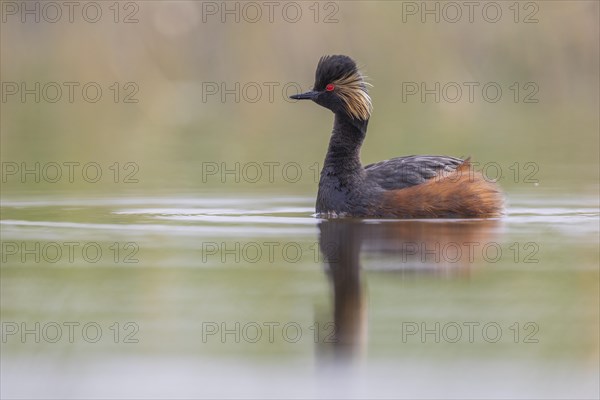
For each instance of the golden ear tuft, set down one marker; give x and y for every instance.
(352, 89)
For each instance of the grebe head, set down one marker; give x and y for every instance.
(340, 87)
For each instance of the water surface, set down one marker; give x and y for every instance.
(255, 297)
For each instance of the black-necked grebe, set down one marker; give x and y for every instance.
(404, 187)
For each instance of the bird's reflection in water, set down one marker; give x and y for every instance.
(445, 248)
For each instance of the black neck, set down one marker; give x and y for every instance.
(344, 146)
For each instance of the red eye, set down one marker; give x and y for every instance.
(330, 87)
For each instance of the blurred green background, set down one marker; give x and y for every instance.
(176, 51)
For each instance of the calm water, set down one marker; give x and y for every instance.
(254, 297)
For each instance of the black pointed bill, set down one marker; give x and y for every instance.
(305, 96)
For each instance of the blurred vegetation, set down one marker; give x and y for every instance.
(174, 49)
